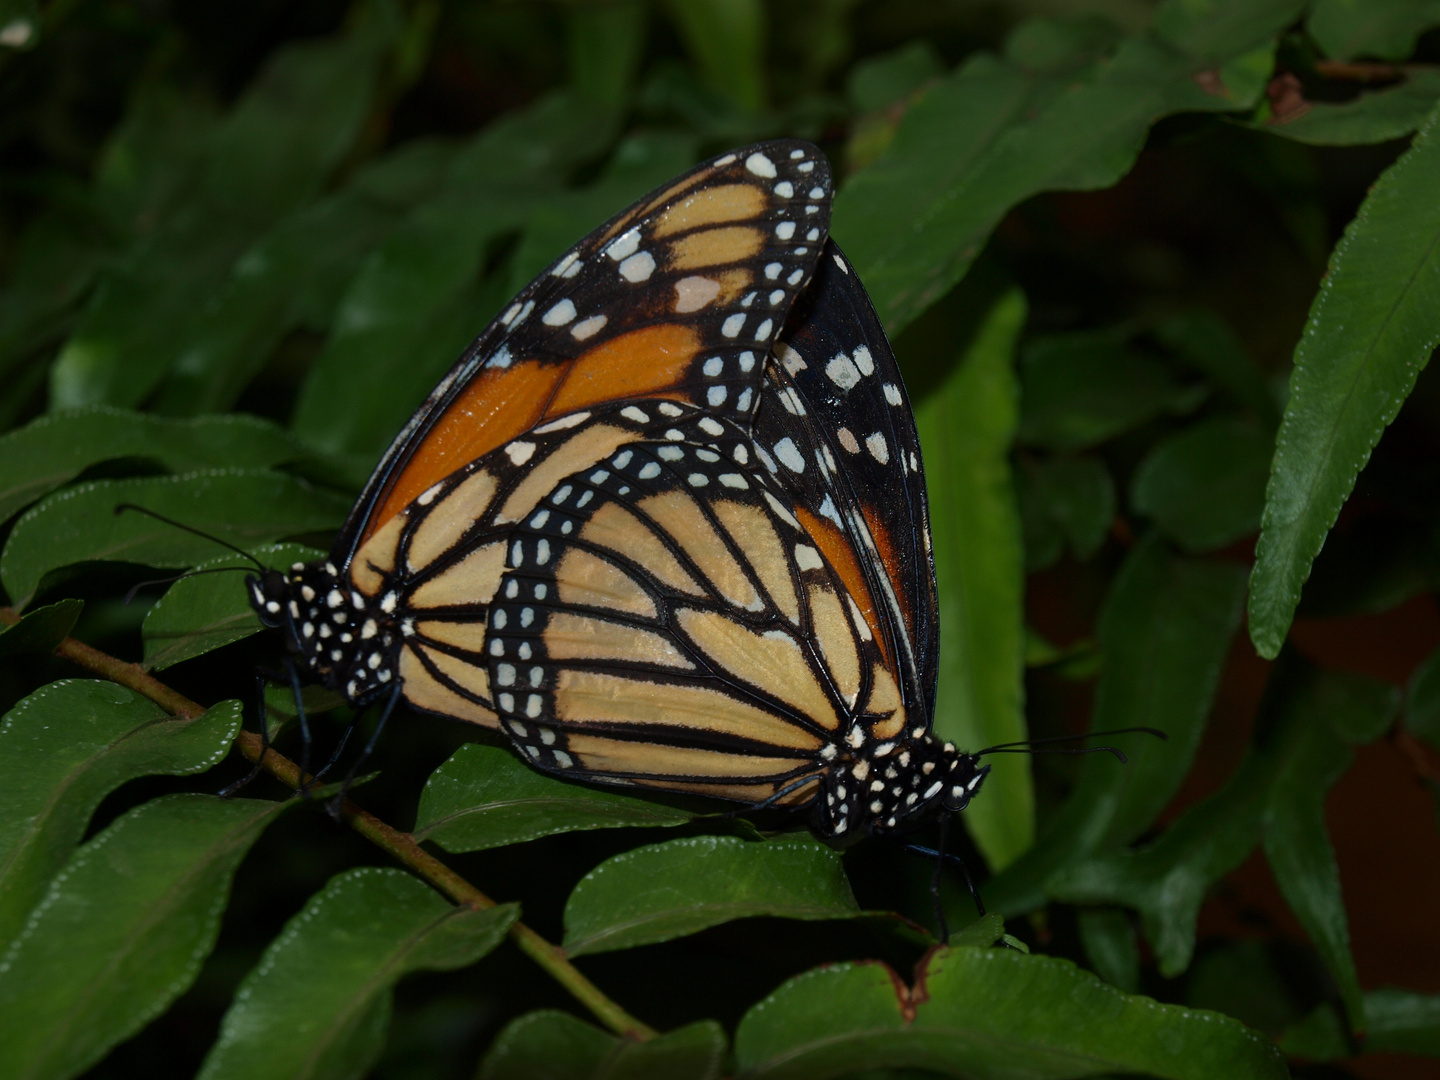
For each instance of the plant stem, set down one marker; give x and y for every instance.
(401, 845)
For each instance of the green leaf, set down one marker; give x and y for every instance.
(1204, 487)
(1222, 29)
(199, 614)
(62, 750)
(1397, 1022)
(1063, 501)
(1165, 630)
(295, 276)
(966, 428)
(605, 44)
(1373, 117)
(419, 296)
(1081, 389)
(1422, 701)
(41, 630)
(999, 130)
(556, 1046)
(1371, 329)
(1385, 29)
(988, 1013)
(1276, 794)
(244, 507)
(122, 931)
(680, 887)
(485, 797)
(727, 40)
(54, 449)
(880, 81)
(317, 1005)
(275, 150)
(1111, 946)
(1342, 712)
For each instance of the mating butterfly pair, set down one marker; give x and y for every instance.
(664, 524)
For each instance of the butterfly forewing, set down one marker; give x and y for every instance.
(681, 295)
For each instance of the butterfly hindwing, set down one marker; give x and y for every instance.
(836, 424)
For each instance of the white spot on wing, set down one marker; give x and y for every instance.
(761, 165)
(520, 452)
(892, 393)
(589, 328)
(807, 558)
(842, 371)
(790, 455)
(732, 326)
(878, 448)
(791, 360)
(560, 314)
(693, 293)
(864, 361)
(638, 267)
(625, 245)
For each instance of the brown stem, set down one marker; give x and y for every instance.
(400, 845)
(1358, 71)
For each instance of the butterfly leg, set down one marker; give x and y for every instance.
(334, 805)
(772, 800)
(941, 856)
(262, 679)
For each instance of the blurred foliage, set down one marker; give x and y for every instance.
(1160, 277)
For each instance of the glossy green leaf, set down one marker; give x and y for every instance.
(1381, 29)
(485, 797)
(549, 1045)
(62, 750)
(1070, 117)
(317, 1005)
(199, 614)
(1204, 487)
(243, 506)
(418, 300)
(1111, 946)
(1276, 794)
(966, 429)
(727, 40)
(275, 150)
(1064, 502)
(1422, 701)
(1371, 329)
(51, 450)
(680, 887)
(40, 630)
(1396, 1022)
(1373, 117)
(295, 276)
(1165, 630)
(988, 1013)
(1081, 389)
(1222, 29)
(122, 931)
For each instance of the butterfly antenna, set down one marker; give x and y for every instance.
(130, 596)
(1025, 746)
(120, 508)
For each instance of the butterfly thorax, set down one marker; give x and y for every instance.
(876, 788)
(339, 638)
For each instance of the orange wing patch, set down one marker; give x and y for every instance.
(498, 405)
(841, 556)
(641, 363)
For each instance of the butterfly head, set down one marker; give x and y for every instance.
(338, 637)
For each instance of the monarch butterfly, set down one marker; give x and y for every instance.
(664, 523)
